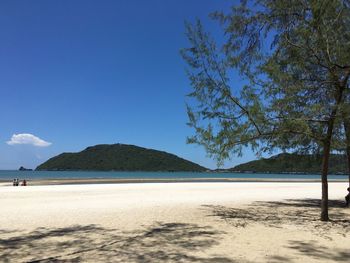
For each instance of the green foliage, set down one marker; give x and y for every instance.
(119, 157)
(293, 55)
(294, 163)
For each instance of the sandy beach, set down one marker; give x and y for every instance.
(173, 222)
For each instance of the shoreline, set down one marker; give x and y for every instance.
(215, 172)
(83, 181)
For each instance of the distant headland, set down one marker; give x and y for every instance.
(123, 157)
(119, 157)
(24, 169)
(293, 163)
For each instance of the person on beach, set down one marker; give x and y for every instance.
(347, 198)
(24, 183)
(15, 182)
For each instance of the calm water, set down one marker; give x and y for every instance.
(32, 175)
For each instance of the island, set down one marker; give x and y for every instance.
(24, 169)
(293, 163)
(119, 157)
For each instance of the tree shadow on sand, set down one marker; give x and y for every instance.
(298, 212)
(318, 252)
(162, 242)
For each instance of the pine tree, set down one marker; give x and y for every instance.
(295, 58)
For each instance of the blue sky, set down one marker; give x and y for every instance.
(80, 73)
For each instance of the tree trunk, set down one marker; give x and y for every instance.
(347, 138)
(324, 179)
(348, 159)
(325, 163)
(326, 151)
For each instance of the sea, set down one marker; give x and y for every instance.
(40, 175)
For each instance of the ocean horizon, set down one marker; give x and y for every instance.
(40, 175)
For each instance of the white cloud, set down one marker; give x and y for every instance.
(26, 138)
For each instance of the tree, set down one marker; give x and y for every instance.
(295, 58)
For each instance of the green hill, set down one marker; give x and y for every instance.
(294, 163)
(119, 157)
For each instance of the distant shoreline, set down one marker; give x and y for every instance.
(174, 172)
(214, 171)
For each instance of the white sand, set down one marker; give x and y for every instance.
(173, 222)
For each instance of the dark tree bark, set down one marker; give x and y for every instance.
(346, 123)
(324, 180)
(327, 149)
